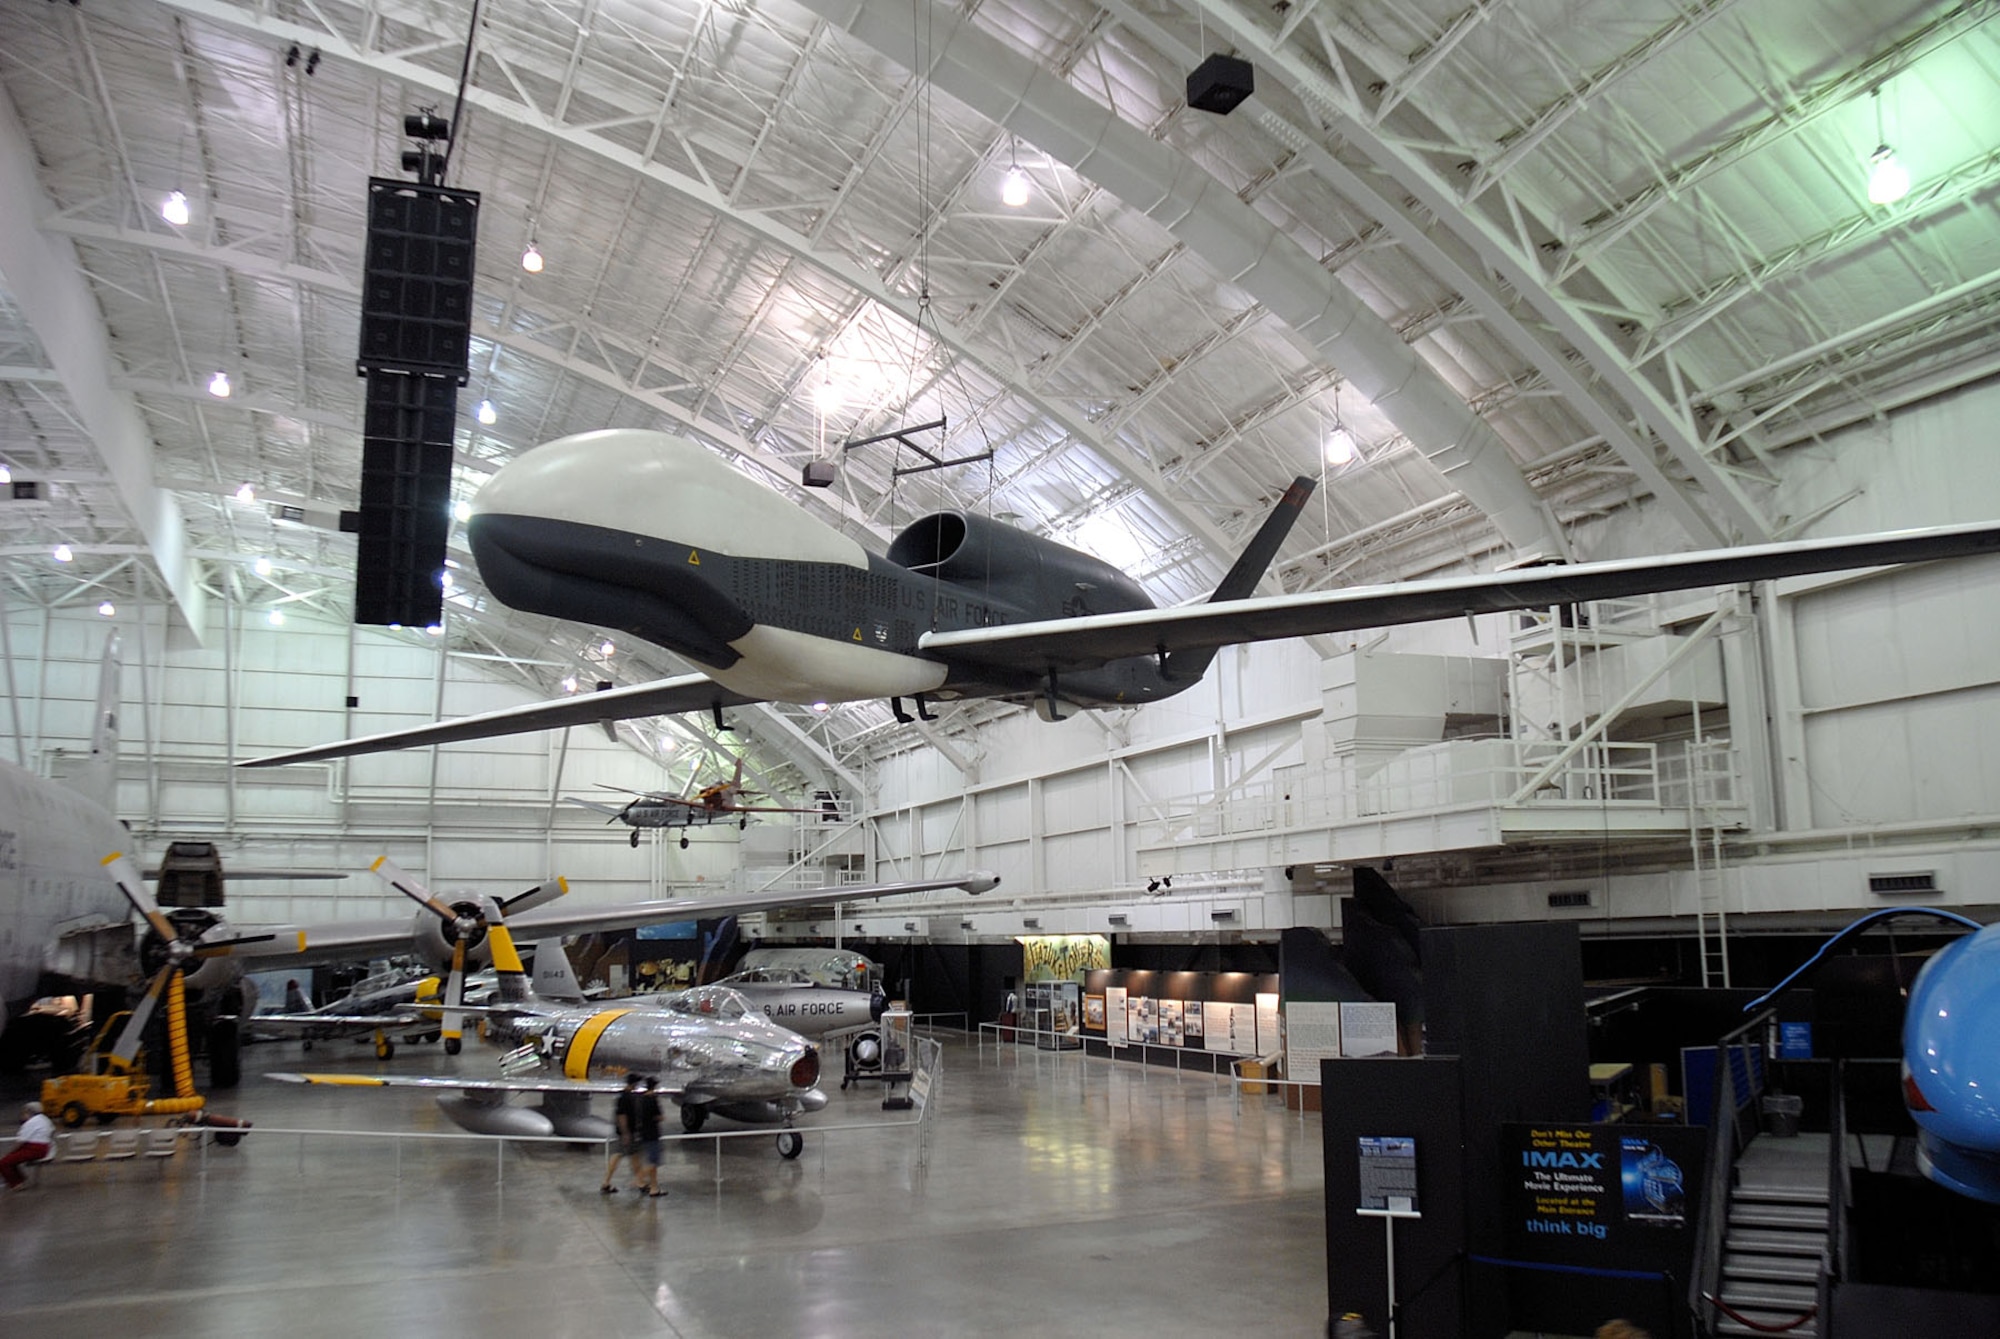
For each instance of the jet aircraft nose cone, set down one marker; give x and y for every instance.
(1947, 1041)
(582, 478)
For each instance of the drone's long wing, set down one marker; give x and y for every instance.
(661, 697)
(1075, 643)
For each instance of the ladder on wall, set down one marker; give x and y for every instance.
(1711, 924)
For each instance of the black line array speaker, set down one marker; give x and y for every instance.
(405, 514)
(416, 333)
(416, 295)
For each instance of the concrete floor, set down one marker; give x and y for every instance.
(1057, 1194)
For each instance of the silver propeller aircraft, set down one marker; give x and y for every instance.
(773, 605)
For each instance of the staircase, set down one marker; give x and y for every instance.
(1776, 1241)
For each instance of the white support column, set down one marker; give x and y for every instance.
(42, 276)
(1792, 779)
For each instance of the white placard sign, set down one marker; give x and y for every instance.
(1312, 1034)
(1269, 1038)
(1367, 1029)
(1231, 1028)
(1114, 1015)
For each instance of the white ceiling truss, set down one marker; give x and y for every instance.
(1540, 258)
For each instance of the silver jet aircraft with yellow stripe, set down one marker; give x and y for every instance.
(711, 1051)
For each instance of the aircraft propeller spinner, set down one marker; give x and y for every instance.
(179, 952)
(464, 924)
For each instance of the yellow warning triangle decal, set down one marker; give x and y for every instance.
(694, 557)
(857, 634)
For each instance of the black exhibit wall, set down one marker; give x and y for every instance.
(1420, 1100)
(1507, 1000)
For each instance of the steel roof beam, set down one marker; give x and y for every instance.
(1605, 228)
(1201, 211)
(1505, 255)
(236, 259)
(337, 45)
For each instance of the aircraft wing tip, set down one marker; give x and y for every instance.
(980, 881)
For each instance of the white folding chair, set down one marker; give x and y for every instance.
(162, 1143)
(78, 1145)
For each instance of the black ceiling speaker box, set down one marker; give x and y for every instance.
(416, 288)
(405, 513)
(1219, 83)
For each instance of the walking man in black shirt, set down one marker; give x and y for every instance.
(649, 1138)
(626, 1115)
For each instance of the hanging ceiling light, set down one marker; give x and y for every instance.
(827, 397)
(1340, 448)
(605, 648)
(246, 494)
(1014, 187)
(531, 259)
(218, 385)
(461, 512)
(1888, 180)
(262, 567)
(569, 684)
(174, 209)
(486, 413)
(6, 475)
(107, 609)
(62, 553)
(276, 618)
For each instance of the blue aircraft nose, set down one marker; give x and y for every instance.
(1954, 1014)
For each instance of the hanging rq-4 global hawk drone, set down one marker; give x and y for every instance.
(653, 535)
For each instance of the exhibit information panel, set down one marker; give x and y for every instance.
(1388, 1174)
(1268, 1036)
(1367, 1030)
(1312, 1034)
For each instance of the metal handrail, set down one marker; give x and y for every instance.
(1834, 1267)
(1725, 1141)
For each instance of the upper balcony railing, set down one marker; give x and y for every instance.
(1457, 775)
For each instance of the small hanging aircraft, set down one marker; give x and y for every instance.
(717, 802)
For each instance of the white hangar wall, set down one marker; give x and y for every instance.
(1830, 728)
(486, 816)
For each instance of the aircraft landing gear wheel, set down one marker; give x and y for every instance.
(742, 825)
(693, 1118)
(790, 1144)
(385, 1049)
(684, 843)
(635, 838)
(453, 1045)
(73, 1114)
